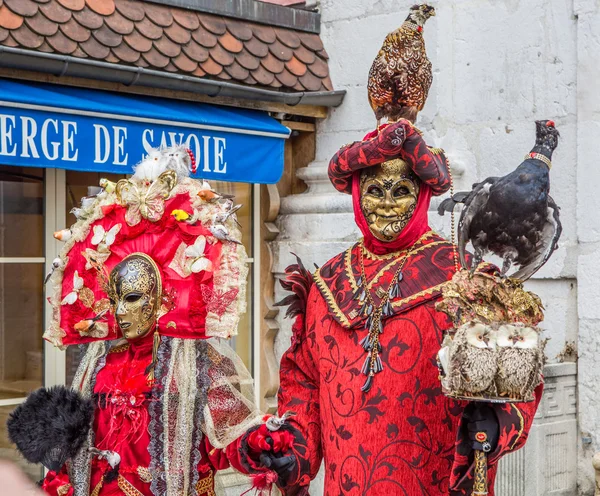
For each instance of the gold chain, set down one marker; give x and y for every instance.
(452, 221)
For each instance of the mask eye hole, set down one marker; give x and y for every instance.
(375, 191)
(133, 297)
(401, 191)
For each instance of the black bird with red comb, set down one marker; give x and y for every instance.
(513, 216)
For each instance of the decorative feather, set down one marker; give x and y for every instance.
(298, 281)
(51, 426)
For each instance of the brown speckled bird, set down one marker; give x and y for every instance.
(400, 76)
(472, 360)
(520, 360)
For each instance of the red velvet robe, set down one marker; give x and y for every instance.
(403, 437)
(122, 395)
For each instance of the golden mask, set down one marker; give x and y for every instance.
(135, 292)
(388, 198)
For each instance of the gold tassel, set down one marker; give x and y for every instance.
(152, 366)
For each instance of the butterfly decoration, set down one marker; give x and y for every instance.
(145, 203)
(79, 292)
(196, 258)
(216, 300)
(104, 239)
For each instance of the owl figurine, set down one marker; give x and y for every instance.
(520, 360)
(473, 361)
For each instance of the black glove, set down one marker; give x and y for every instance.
(482, 427)
(282, 465)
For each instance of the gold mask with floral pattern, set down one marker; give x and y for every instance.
(388, 198)
(135, 292)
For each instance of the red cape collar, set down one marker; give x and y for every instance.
(428, 266)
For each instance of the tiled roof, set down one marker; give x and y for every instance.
(165, 38)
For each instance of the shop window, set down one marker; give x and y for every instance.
(21, 294)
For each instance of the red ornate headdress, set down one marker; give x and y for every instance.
(181, 224)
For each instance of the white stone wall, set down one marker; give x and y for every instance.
(498, 66)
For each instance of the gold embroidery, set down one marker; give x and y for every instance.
(127, 487)
(63, 490)
(96, 490)
(206, 486)
(330, 299)
(396, 254)
(521, 428)
(120, 348)
(144, 474)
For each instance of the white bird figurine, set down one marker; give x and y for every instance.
(112, 457)
(274, 423)
(63, 235)
(56, 264)
(220, 232)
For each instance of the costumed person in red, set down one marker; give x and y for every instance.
(361, 373)
(151, 283)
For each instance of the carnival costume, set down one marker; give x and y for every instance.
(150, 283)
(361, 372)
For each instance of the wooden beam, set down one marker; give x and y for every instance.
(300, 110)
(306, 127)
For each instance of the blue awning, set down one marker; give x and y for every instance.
(43, 125)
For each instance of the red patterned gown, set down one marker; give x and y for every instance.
(402, 437)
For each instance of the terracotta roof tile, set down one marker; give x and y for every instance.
(230, 43)
(196, 52)
(319, 68)
(155, 58)
(75, 31)
(138, 42)
(296, 67)
(287, 37)
(280, 50)
(102, 7)
(236, 71)
(184, 63)
(126, 54)
(199, 72)
(310, 82)
(56, 12)
(272, 64)
(257, 48)
(240, 30)
(245, 59)
(221, 56)
(311, 41)
(263, 76)
(61, 43)
(10, 42)
(24, 8)
(165, 46)
(95, 49)
(211, 67)
(158, 15)
(304, 55)
(178, 34)
(160, 37)
(88, 18)
(72, 5)
(107, 36)
(8, 19)
(214, 24)
(134, 11)
(148, 29)
(42, 25)
(26, 37)
(186, 19)
(119, 23)
(204, 37)
(265, 34)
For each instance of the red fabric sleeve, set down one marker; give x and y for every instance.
(57, 484)
(515, 421)
(398, 140)
(299, 392)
